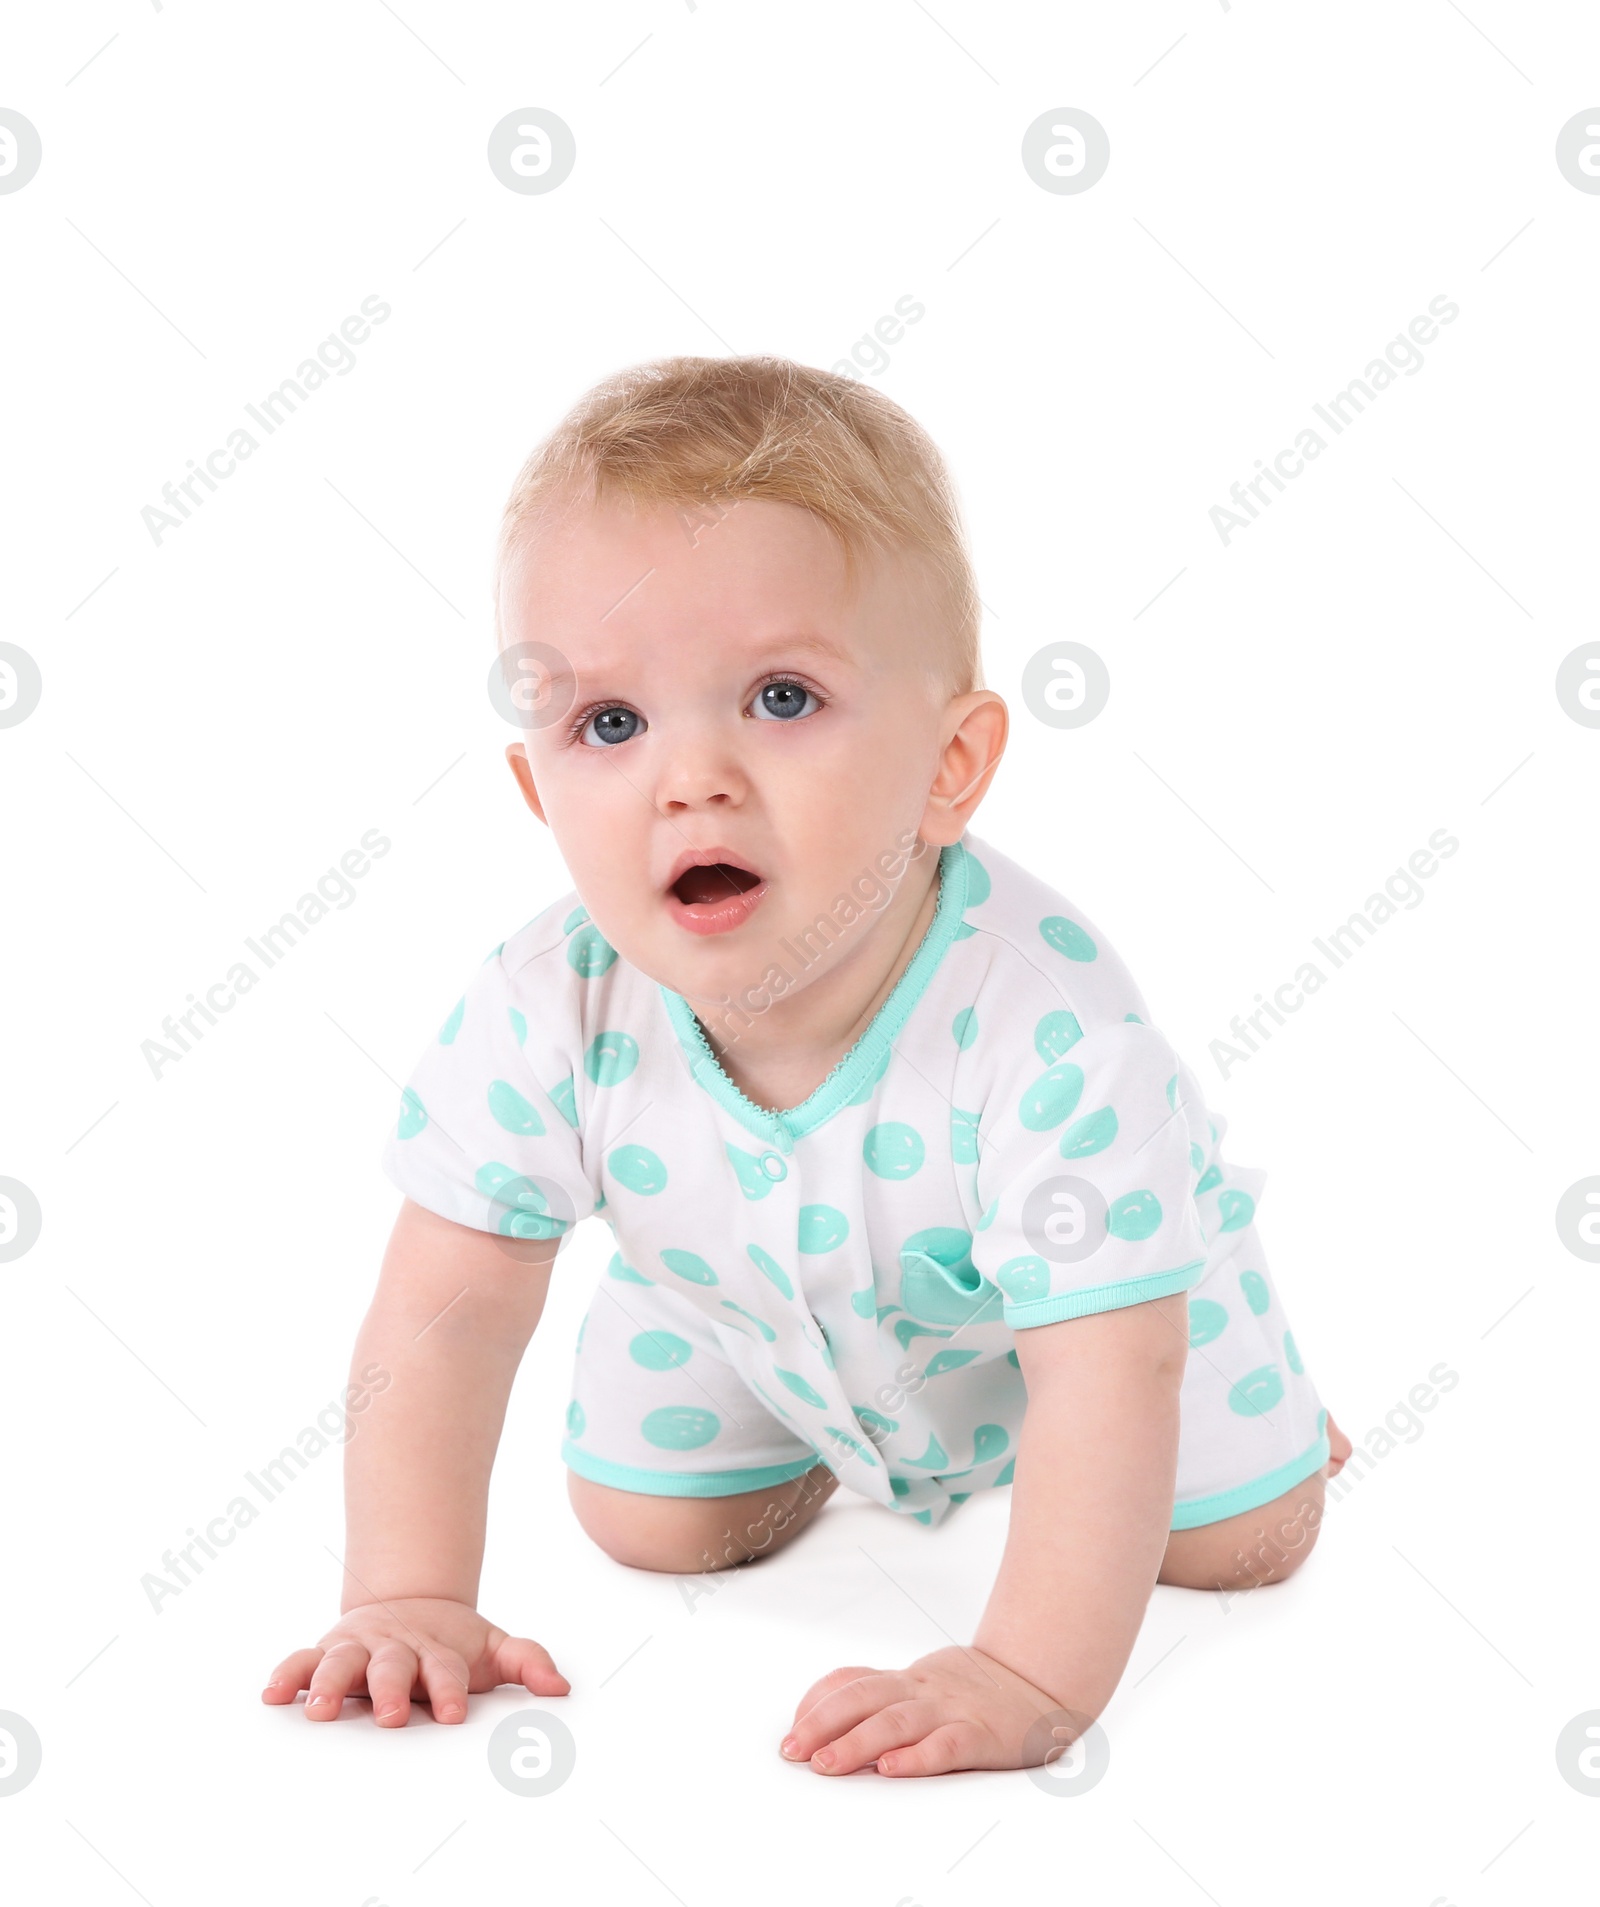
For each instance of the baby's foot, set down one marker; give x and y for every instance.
(1339, 1447)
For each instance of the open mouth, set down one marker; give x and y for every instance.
(714, 896)
(718, 881)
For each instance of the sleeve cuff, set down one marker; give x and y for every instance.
(1093, 1298)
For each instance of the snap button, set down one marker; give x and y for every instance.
(773, 1166)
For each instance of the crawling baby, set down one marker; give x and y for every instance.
(909, 1196)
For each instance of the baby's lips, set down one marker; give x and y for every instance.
(709, 856)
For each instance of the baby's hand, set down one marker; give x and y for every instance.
(432, 1651)
(956, 1708)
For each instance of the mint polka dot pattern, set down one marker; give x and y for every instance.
(1207, 1321)
(1056, 1035)
(619, 1269)
(1093, 1133)
(610, 1058)
(1050, 1098)
(638, 1169)
(508, 1108)
(1068, 938)
(822, 1228)
(1237, 1209)
(1010, 1143)
(808, 1393)
(770, 1267)
(679, 1427)
(660, 1350)
(590, 954)
(893, 1151)
(690, 1265)
(1024, 1278)
(1257, 1391)
(1135, 1215)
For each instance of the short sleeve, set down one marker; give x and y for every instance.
(1087, 1174)
(487, 1133)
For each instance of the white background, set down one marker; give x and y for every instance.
(1294, 713)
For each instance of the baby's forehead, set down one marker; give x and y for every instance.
(752, 573)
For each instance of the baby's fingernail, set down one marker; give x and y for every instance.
(823, 1757)
(392, 1709)
(789, 1744)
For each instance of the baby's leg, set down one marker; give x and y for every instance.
(1257, 1546)
(683, 1535)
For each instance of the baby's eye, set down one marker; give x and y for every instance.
(606, 727)
(783, 702)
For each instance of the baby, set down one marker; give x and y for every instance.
(908, 1194)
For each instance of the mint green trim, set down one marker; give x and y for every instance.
(1251, 1496)
(1095, 1298)
(858, 1065)
(623, 1476)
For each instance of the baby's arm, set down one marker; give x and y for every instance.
(1091, 1506)
(450, 1320)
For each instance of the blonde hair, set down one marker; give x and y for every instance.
(691, 431)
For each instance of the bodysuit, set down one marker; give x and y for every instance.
(1010, 1143)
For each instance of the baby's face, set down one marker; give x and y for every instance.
(731, 704)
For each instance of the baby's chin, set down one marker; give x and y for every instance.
(750, 966)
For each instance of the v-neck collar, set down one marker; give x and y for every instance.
(864, 1061)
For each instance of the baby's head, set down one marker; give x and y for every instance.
(735, 604)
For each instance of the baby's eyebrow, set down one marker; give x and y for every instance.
(762, 654)
(812, 642)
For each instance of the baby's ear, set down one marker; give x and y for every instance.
(979, 724)
(517, 755)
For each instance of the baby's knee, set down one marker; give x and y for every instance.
(1252, 1549)
(645, 1532)
(685, 1536)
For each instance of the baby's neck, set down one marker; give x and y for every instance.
(781, 1057)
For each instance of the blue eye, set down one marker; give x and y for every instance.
(607, 727)
(784, 702)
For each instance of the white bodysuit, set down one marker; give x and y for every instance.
(1010, 1143)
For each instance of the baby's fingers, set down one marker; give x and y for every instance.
(900, 1725)
(848, 1704)
(444, 1676)
(340, 1670)
(834, 1679)
(291, 1675)
(391, 1676)
(520, 1659)
(948, 1749)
